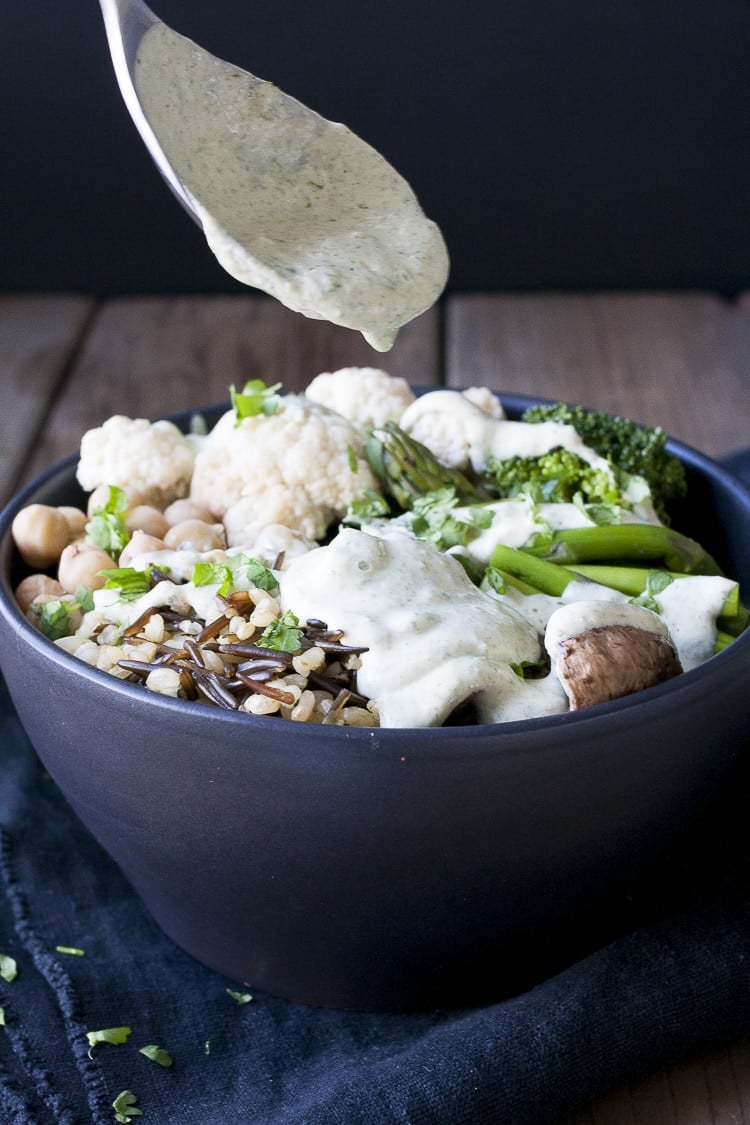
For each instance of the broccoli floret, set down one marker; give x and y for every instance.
(634, 448)
(556, 477)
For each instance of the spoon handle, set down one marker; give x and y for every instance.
(126, 22)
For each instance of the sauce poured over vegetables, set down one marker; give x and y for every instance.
(290, 203)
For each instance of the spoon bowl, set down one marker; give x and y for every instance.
(289, 202)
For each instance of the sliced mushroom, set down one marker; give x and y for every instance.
(602, 650)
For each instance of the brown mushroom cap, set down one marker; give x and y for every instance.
(610, 661)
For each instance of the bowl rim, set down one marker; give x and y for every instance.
(574, 721)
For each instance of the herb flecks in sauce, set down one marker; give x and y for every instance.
(290, 202)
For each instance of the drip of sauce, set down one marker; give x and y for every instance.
(290, 203)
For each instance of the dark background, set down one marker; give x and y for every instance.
(559, 145)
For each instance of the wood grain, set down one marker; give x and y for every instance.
(712, 1089)
(38, 339)
(148, 357)
(681, 361)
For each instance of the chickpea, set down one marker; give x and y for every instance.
(36, 586)
(180, 510)
(198, 534)
(143, 517)
(140, 543)
(40, 532)
(77, 521)
(99, 498)
(80, 564)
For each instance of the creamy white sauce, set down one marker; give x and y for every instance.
(515, 521)
(183, 597)
(689, 606)
(581, 616)
(290, 203)
(433, 639)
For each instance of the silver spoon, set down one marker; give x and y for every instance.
(126, 22)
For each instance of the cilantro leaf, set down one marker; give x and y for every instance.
(56, 618)
(125, 1107)
(599, 513)
(255, 398)
(8, 967)
(84, 598)
(251, 572)
(369, 506)
(131, 583)
(656, 581)
(481, 517)
(240, 997)
(237, 572)
(495, 580)
(113, 1035)
(106, 528)
(211, 574)
(157, 1054)
(283, 635)
(431, 519)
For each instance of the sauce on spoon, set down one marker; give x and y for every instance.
(290, 202)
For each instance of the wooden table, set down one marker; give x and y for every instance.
(678, 360)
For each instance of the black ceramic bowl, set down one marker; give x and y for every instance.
(383, 869)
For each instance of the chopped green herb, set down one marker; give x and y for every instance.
(255, 398)
(213, 574)
(8, 967)
(106, 528)
(656, 581)
(283, 635)
(125, 1107)
(495, 580)
(248, 571)
(113, 1035)
(600, 514)
(431, 519)
(237, 572)
(157, 1054)
(369, 506)
(240, 997)
(481, 517)
(353, 462)
(71, 950)
(526, 669)
(56, 617)
(131, 583)
(84, 598)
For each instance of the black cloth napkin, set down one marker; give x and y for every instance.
(670, 978)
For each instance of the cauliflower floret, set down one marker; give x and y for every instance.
(366, 396)
(447, 423)
(152, 459)
(301, 466)
(486, 400)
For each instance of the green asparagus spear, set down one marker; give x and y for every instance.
(408, 470)
(613, 542)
